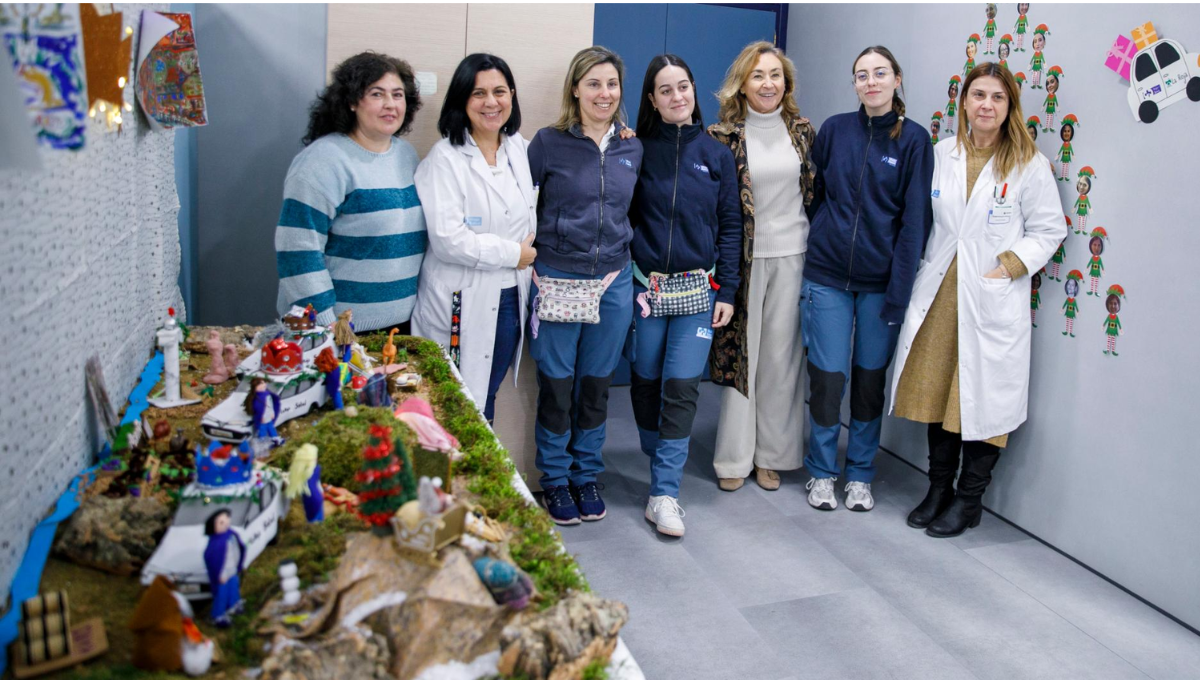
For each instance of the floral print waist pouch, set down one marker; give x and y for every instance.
(568, 300)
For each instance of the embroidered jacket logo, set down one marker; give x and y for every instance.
(889, 160)
(627, 163)
(700, 168)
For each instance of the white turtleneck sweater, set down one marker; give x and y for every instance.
(780, 224)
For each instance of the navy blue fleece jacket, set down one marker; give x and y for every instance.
(871, 211)
(685, 212)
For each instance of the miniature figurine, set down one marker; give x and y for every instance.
(1070, 307)
(972, 48)
(311, 312)
(389, 348)
(179, 444)
(1112, 323)
(952, 104)
(989, 29)
(1050, 104)
(418, 414)
(1038, 62)
(935, 126)
(1035, 298)
(1022, 25)
(1095, 264)
(343, 334)
(231, 358)
(289, 583)
(431, 499)
(223, 558)
(256, 407)
(1066, 133)
(304, 479)
(165, 636)
(1031, 126)
(169, 338)
(1083, 205)
(375, 392)
(218, 372)
(507, 584)
(335, 374)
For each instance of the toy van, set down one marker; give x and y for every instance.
(298, 395)
(1163, 73)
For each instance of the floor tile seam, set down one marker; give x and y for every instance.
(1055, 612)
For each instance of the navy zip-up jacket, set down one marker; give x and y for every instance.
(686, 213)
(871, 211)
(583, 203)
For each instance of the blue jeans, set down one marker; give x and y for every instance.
(837, 322)
(670, 354)
(576, 362)
(508, 335)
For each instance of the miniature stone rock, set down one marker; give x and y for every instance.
(350, 652)
(116, 535)
(559, 643)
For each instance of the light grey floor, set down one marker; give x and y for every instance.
(763, 587)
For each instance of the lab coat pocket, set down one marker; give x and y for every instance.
(998, 305)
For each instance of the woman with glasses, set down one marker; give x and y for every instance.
(758, 353)
(870, 216)
(962, 364)
(687, 241)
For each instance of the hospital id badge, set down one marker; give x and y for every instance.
(1000, 213)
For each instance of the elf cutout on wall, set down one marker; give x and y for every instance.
(1031, 126)
(1019, 76)
(1056, 260)
(1095, 265)
(1038, 63)
(989, 29)
(935, 126)
(1070, 307)
(952, 104)
(972, 48)
(1035, 298)
(1004, 50)
(1083, 205)
(1050, 105)
(1022, 25)
(1112, 322)
(1066, 134)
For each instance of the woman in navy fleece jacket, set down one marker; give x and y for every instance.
(871, 214)
(686, 220)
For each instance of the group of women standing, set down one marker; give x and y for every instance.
(736, 248)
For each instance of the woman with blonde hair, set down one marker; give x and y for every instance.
(584, 172)
(962, 362)
(758, 354)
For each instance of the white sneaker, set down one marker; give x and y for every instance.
(858, 496)
(665, 513)
(820, 493)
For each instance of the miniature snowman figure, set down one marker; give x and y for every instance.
(1038, 62)
(989, 29)
(1050, 104)
(304, 479)
(1065, 152)
(170, 336)
(1083, 205)
(972, 48)
(224, 560)
(952, 104)
(1095, 264)
(1022, 25)
(1070, 307)
(1035, 298)
(1112, 323)
(935, 126)
(289, 583)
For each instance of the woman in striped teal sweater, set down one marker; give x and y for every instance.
(351, 234)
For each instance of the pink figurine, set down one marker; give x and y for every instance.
(231, 358)
(417, 414)
(218, 371)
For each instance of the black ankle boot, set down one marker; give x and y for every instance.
(936, 501)
(964, 513)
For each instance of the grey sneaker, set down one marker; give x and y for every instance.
(858, 496)
(820, 493)
(665, 513)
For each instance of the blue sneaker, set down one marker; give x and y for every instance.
(587, 497)
(558, 502)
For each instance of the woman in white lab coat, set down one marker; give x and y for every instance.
(479, 204)
(962, 362)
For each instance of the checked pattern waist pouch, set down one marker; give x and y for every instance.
(681, 294)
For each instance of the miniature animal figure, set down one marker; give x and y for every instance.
(165, 636)
(224, 559)
(507, 584)
(304, 479)
(389, 350)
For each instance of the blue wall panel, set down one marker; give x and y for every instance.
(637, 33)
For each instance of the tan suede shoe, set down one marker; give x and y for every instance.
(767, 479)
(730, 483)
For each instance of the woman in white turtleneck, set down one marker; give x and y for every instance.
(762, 417)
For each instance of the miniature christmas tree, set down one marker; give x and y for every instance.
(386, 477)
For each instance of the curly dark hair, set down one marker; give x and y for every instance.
(331, 111)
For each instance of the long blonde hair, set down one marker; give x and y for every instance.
(1016, 147)
(733, 102)
(583, 61)
(304, 463)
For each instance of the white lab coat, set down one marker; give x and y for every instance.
(993, 314)
(473, 248)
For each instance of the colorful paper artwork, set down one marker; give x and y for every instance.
(1050, 105)
(1056, 260)
(1164, 73)
(972, 49)
(1021, 26)
(1035, 298)
(169, 87)
(989, 29)
(1083, 204)
(1112, 323)
(1120, 56)
(1037, 63)
(1065, 152)
(1070, 308)
(106, 49)
(952, 103)
(935, 126)
(1144, 35)
(42, 41)
(1095, 265)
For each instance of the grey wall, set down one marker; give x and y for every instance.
(262, 66)
(1105, 469)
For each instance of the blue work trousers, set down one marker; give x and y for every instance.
(575, 363)
(508, 336)
(845, 334)
(669, 357)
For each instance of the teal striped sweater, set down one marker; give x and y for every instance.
(351, 233)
